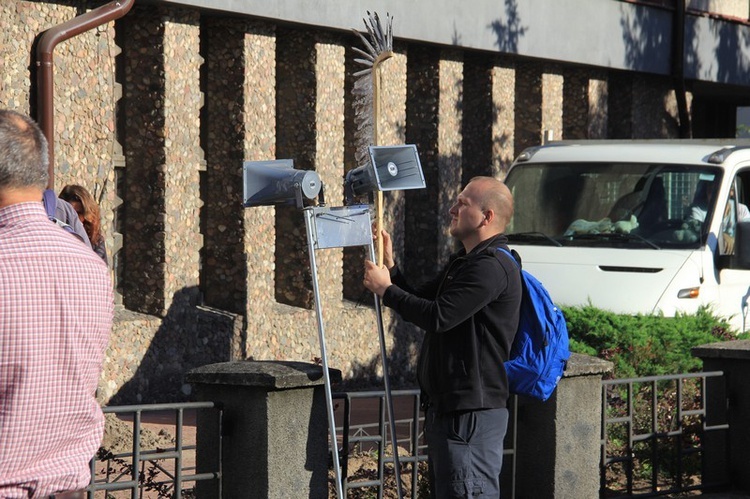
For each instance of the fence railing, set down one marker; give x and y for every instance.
(373, 437)
(653, 442)
(161, 472)
(654, 431)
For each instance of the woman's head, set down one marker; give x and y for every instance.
(87, 209)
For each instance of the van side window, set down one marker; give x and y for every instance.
(735, 210)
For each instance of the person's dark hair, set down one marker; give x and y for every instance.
(91, 213)
(23, 152)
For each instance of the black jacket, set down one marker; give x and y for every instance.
(470, 315)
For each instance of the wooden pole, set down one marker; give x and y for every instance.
(376, 141)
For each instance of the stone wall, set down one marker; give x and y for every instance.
(156, 112)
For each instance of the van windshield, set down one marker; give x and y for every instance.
(612, 204)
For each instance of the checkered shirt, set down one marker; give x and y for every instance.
(56, 308)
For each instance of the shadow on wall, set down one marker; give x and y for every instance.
(509, 33)
(731, 42)
(189, 336)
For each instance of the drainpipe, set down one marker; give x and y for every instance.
(44, 81)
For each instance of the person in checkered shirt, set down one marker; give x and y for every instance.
(56, 308)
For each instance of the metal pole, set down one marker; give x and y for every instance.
(386, 382)
(309, 224)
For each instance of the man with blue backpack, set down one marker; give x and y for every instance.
(470, 315)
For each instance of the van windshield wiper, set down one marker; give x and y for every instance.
(615, 236)
(532, 236)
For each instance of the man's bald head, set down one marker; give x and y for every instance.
(494, 195)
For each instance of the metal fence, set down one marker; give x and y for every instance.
(655, 431)
(372, 439)
(160, 472)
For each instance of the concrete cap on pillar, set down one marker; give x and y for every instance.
(586, 365)
(737, 349)
(272, 375)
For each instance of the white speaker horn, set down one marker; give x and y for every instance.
(276, 182)
(392, 168)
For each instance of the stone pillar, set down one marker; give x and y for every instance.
(183, 157)
(528, 106)
(552, 103)
(620, 117)
(390, 132)
(449, 179)
(421, 229)
(654, 104)
(142, 36)
(504, 105)
(559, 440)
(275, 429)
(575, 107)
(329, 150)
(296, 138)
(598, 95)
(478, 113)
(238, 80)
(733, 359)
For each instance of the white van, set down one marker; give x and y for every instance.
(637, 226)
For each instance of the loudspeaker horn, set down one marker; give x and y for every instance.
(276, 181)
(392, 168)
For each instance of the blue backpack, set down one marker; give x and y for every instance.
(540, 350)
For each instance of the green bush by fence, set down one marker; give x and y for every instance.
(645, 345)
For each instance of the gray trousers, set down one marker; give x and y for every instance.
(465, 452)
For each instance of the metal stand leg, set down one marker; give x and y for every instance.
(324, 359)
(386, 382)
(325, 230)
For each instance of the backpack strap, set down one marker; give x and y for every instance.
(50, 206)
(50, 203)
(512, 254)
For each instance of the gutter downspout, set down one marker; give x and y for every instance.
(44, 63)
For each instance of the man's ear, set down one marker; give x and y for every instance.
(489, 216)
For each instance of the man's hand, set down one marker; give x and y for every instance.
(728, 244)
(377, 279)
(387, 247)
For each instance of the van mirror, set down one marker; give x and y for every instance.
(741, 258)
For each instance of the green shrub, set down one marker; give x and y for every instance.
(645, 345)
